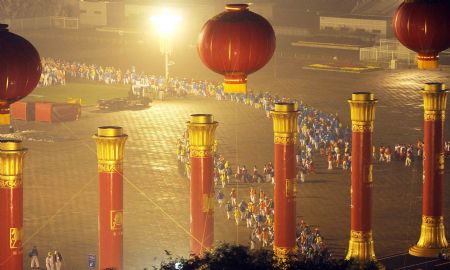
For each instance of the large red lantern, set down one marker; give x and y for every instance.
(20, 70)
(235, 43)
(424, 27)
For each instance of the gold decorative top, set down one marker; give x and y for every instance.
(110, 144)
(109, 131)
(286, 107)
(202, 118)
(434, 87)
(8, 145)
(236, 7)
(11, 158)
(285, 122)
(202, 128)
(362, 107)
(363, 96)
(434, 99)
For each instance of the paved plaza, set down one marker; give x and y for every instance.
(60, 176)
(61, 173)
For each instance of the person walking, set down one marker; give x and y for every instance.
(228, 209)
(57, 258)
(34, 258)
(49, 261)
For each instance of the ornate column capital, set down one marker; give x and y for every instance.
(434, 101)
(110, 142)
(285, 123)
(362, 111)
(201, 128)
(11, 163)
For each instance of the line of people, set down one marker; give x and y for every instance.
(53, 261)
(318, 131)
(256, 212)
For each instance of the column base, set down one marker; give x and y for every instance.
(432, 239)
(361, 249)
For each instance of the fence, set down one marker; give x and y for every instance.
(387, 50)
(66, 22)
(42, 23)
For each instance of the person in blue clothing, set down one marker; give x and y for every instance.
(220, 197)
(34, 258)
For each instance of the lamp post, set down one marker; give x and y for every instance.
(165, 24)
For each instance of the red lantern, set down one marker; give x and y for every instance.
(20, 70)
(235, 43)
(424, 26)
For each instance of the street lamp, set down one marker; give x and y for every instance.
(166, 23)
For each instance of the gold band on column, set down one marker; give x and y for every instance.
(201, 130)
(110, 142)
(200, 151)
(11, 163)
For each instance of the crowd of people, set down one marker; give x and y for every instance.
(256, 211)
(53, 261)
(319, 132)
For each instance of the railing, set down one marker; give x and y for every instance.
(387, 51)
(42, 23)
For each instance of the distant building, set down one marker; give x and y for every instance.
(380, 27)
(101, 13)
(368, 17)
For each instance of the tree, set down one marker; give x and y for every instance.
(232, 257)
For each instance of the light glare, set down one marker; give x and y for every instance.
(166, 22)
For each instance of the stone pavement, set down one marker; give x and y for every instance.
(60, 178)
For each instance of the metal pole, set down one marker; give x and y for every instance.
(166, 54)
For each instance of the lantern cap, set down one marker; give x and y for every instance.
(285, 107)
(110, 131)
(362, 96)
(434, 87)
(236, 7)
(202, 119)
(10, 145)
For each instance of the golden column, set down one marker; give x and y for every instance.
(362, 113)
(110, 152)
(432, 234)
(202, 129)
(285, 137)
(11, 204)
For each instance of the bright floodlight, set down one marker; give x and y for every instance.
(166, 22)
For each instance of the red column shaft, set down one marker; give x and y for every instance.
(111, 220)
(11, 222)
(202, 199)
(285, 207)
(361, 207)
(433, 185)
